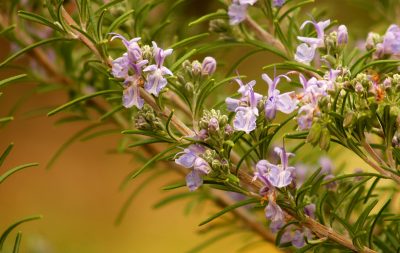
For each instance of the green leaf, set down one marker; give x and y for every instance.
(10, 228)
(229, 208)
(135, 193)
(17, 242)
(107, 6)
(80, 99)
(173, 198)
(266, 47)
(39, 19)
(6, 119)
(24, 50)
(377, 63)
(155, 158)
(371, 229)
(144, 142)
(293, 8)
(211, 16)
(7, 29)
(6, 81)
(100, 133)
(189, 40)
(212, 240)
(6, 153)
(16, 169)
(173, 186)
(118, 21)
(71, 140)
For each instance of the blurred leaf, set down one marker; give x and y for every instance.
(6, 81)
(15, 169)
(230, 208)
(10, 228)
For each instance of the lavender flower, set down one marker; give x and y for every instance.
(131, 94)
(276, 101)
(276, 175)
(310, 210)
(190, 158)
(129, 67)
(237, 11)
(277, 3)
(155, 79)
(319, 27)
(246, 116)
(274, 212)
(391, 40)
(305, 53)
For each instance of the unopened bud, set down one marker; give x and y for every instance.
(342, 35)
(325, 139)
(209, 65)
(314, 134)
(213, 125)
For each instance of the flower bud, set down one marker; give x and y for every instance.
(314, 134)
(325, 139)
(213, 125)
(349, 119)
(342, 35)
(209, 65)
(196, 68)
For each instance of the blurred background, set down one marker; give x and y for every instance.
(79, 197)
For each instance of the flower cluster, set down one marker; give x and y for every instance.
(386, 45)
(306, 51)
(247, 107)
(131, 66)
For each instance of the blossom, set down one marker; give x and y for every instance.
(237, 11)
(276, 101)
(305, 53)
(276, 175)
(274, 212)
(129, 67)
(278, 3)
(155, 79)
(246, 116)
(391, 40)
(190, 158)
(319, 28)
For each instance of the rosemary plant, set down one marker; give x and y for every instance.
(161, 72)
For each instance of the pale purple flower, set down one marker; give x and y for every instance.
(298, 239)
(155, 79)
(276, 101)
(342, 35)
(305, 53)
(274, 212)
(277, 3)
(208, 65)
(232, 104)
(319, 27)
(310, 210)
(237, 13)
(305, 116)
(246, 116)
(391, 40)
(131, 94)
(326, 165)
(120, 67)
(190, 158)
(277, 175)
